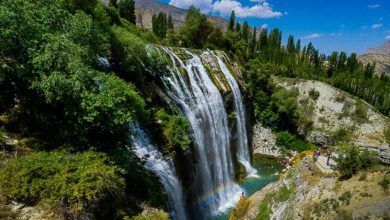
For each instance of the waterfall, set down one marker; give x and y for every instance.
(243, 154)
(202, 104)
(162, 167)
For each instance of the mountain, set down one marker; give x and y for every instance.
(381, 56)
(144, 10)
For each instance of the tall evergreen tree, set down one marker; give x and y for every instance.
(238, 28)
(263, 39)
(170, 22)
(253, 42)
(232, 21)
(298, 46)
(290, 44)
(245, 31)
(127, 10)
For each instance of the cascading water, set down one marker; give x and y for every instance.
(162, 167)
(243, 154)
(202, 104)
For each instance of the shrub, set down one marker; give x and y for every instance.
(130, 53)
(292, 142)
(384, 183)
(351, 159)
(342, 134)
(360, 112)
(340, 97)
(387, 134)
(314, 94)
(285, 139)
(72, 184)
(176, 130)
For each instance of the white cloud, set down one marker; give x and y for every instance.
(311, 36)
(373, 6)
(262, 9)
(375, 26)
(204, 5)
(388, 37)
(264, 26)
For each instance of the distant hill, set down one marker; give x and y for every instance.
(380, 55)
(146, 8)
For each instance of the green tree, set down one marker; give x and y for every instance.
(127, 10)
(291, 44)
(196, 29)
(170, 22)
(232, 21)
(75, 185)
(245, 31)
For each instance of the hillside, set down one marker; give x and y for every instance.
(379, 55)
(335, 116)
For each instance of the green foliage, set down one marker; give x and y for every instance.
(151, 215)
(282, 195)
(387, 134)
(130, 53)
(360, 112)
(314, 94)
(285, 139)
(160, 24)
(73, 184)
(110, 107)
(342, 134)
(126, 10)
(284, 102)
(264, 211)
(176, 130)
(351, 159)
(288, 141)
(195, 31)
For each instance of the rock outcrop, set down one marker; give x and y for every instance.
(337, 116)
(263, 142)
(305, 192)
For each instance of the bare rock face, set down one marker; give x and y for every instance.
(321, 139)
(334, 117)
(145, 9)
(263, 142)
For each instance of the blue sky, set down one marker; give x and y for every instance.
(347, 25)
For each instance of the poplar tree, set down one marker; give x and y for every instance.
(245, 31)
(232, 21)
(127, 10)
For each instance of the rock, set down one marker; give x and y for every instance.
(263, 141)
(320, 138)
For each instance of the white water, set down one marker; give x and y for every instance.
(162, 167)
(202, 104)
(243, 154)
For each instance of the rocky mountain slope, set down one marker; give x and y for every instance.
(145, 9)
(335, 116)
(380, 55)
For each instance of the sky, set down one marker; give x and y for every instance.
(332, 25)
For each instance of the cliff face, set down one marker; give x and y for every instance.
(336, 116)
(145, 9)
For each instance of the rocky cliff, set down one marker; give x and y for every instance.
(335, 116)
(145, 9)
